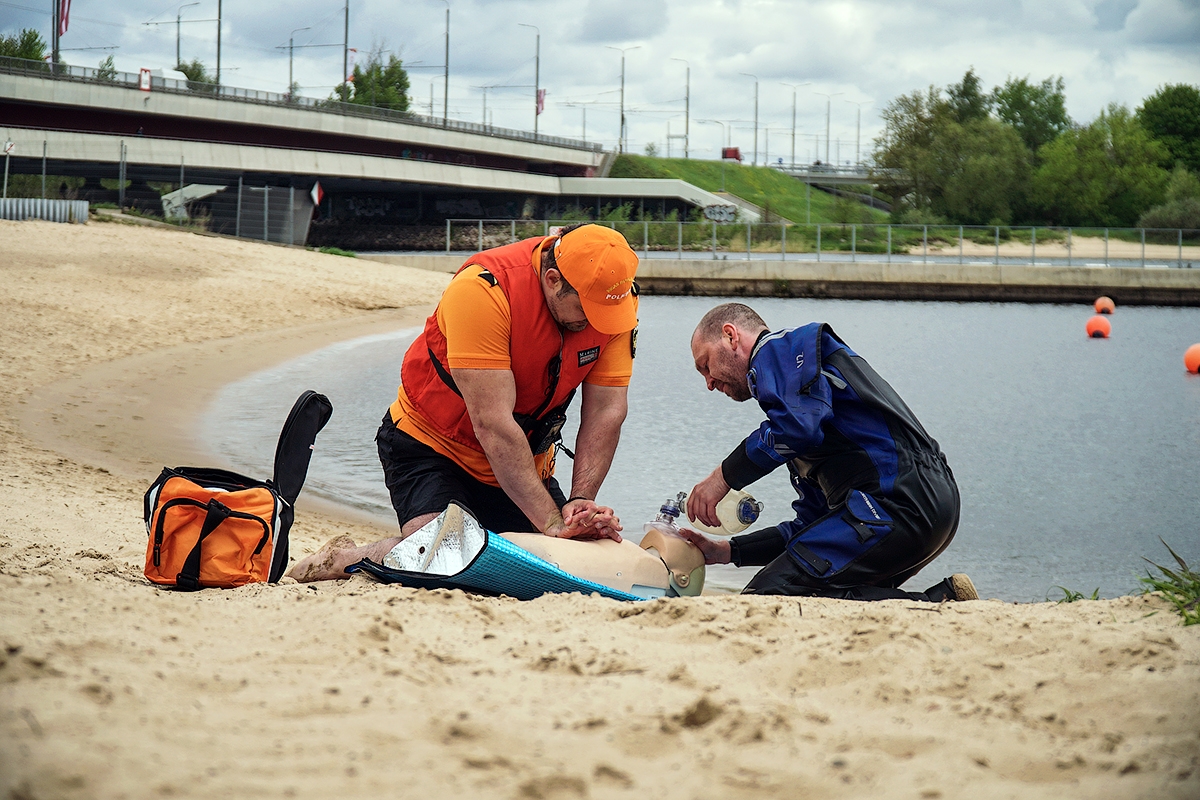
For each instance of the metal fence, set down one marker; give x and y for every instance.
(961, 244)
(22, 208)
(130, 80)
(268, 213)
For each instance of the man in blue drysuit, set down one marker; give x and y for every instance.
(876, 500)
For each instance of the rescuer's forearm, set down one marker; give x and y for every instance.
(602, 413)
(507, 450)
(490, 395)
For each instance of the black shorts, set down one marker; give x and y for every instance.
(422, 481)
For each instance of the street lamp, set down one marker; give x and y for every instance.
(794, 87)
(178, 27)
(858, 127)
(291, 45)
(621, 143)
(446, 73)
(828, 98)
(748, 75)
(537, 70)
(687, 104)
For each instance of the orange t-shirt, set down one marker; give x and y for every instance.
(476, 320)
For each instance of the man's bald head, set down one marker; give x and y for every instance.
(721, 347)
(739, 314)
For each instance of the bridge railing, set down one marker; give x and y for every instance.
(863, 172)
(901, 244)
(130, 80)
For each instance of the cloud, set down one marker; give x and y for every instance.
(1166, 22)
(613, 22)
(866, 50)
(1111, 14)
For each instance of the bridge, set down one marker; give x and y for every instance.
(376, 166)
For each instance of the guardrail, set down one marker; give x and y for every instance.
(130, 80)
(962, 244)
(22, 208)
(833, 171)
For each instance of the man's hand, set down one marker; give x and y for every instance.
(702, 502)
(716, 551)
(583, 519)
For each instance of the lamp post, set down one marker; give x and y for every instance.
(291, 46)
(621, 138)
(446, 75)
(346, 53)
(828, 98)
(218, 78)
(748, 75)
(178, 30)
(687, 104)
(794, 87)
(537, 71)
(858, 127)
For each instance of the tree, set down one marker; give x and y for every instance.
(965, 100)
(27, 44)
(1182, 209)
(1038, 112)
(935, 166)
(903, 155)
(196, 72)
(377, 84)
(1172, 115)
(652, 149)
(107, 70)
(984, 170)
(1182, 185)
(1106, 173)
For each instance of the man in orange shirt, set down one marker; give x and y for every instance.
(485, 388)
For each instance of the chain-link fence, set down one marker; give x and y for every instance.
(962, 244)
(268, 213)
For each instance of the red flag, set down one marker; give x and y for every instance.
(541, 101)
(64, 14)
(317, 193)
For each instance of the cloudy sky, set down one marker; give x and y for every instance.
(864, 52)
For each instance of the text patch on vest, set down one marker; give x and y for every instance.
(588, 356)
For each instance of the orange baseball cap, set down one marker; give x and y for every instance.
(600, 264)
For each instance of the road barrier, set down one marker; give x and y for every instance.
(22, 208)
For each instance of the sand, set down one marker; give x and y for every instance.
(114, 337)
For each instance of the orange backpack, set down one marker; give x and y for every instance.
(216, 528)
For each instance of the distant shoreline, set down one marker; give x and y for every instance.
(875, 279)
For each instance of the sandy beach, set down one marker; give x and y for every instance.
(115, 337)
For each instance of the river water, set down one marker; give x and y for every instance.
(1072, 455)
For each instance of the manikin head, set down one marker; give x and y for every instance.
(721, 347)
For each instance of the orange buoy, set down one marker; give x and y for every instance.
(1191, 358)
(1104, 305)
(1098, 327)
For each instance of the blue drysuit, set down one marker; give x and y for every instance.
(876, 500)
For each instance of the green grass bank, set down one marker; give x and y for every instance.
(779, 194)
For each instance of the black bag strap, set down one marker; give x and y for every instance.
(294, 451)
(524, 420)
(188, 578)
